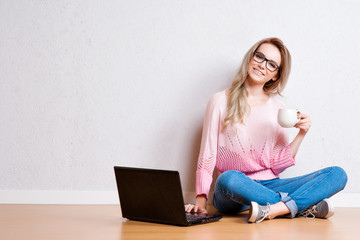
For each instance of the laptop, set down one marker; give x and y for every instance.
(155, 196)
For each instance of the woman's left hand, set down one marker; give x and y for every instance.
(304, 124)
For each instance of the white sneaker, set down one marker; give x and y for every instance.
(257, 213)
(323, 209)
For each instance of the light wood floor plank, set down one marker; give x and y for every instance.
(28, 222)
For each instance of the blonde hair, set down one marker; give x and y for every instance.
(237, 105)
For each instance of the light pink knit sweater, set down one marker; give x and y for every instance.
(259, 148)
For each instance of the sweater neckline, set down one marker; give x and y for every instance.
(264, 104)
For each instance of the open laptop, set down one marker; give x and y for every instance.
(155, 196)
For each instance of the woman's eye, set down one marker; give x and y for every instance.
(259, 56)
(273, 65)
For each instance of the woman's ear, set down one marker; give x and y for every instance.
(275, 77)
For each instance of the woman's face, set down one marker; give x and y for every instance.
(258, 72)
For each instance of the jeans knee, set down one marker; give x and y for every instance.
(226, 178)
(341, 176)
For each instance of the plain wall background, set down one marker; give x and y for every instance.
(86, 85)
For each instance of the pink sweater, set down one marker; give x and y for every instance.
(259, 148)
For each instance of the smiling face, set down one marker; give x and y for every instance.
(257, 72)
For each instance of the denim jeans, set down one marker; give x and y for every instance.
(234, 191)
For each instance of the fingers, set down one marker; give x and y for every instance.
(192, 208)
(304, 123)
(196, 208)
(304, 119)
(189, 207)
(303, 116)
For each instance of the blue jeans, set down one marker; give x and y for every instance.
(234, 191)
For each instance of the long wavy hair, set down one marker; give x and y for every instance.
(237, 105)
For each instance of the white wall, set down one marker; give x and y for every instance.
(86, 85)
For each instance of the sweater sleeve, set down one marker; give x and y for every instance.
(282, 157)
(208, 149)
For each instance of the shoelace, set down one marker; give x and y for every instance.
(264, 213)
(311, 211)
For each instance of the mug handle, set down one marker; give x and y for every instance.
(298, 112)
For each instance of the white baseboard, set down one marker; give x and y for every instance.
(346, 200)
(111, 197)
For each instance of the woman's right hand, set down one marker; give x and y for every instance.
(199, 207)
(193, 208)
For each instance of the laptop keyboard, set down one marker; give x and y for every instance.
(194, 217)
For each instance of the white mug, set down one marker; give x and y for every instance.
(287, 117)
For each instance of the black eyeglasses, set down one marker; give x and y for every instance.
(270, 64)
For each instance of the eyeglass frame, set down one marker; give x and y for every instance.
(266, 61)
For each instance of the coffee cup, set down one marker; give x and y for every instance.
(287, 117)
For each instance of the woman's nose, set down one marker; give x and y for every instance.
(262, 65)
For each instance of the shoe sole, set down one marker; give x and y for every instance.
(253, 212)
(331, 208)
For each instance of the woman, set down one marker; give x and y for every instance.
(242, 139)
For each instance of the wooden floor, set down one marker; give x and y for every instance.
(27, 222)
